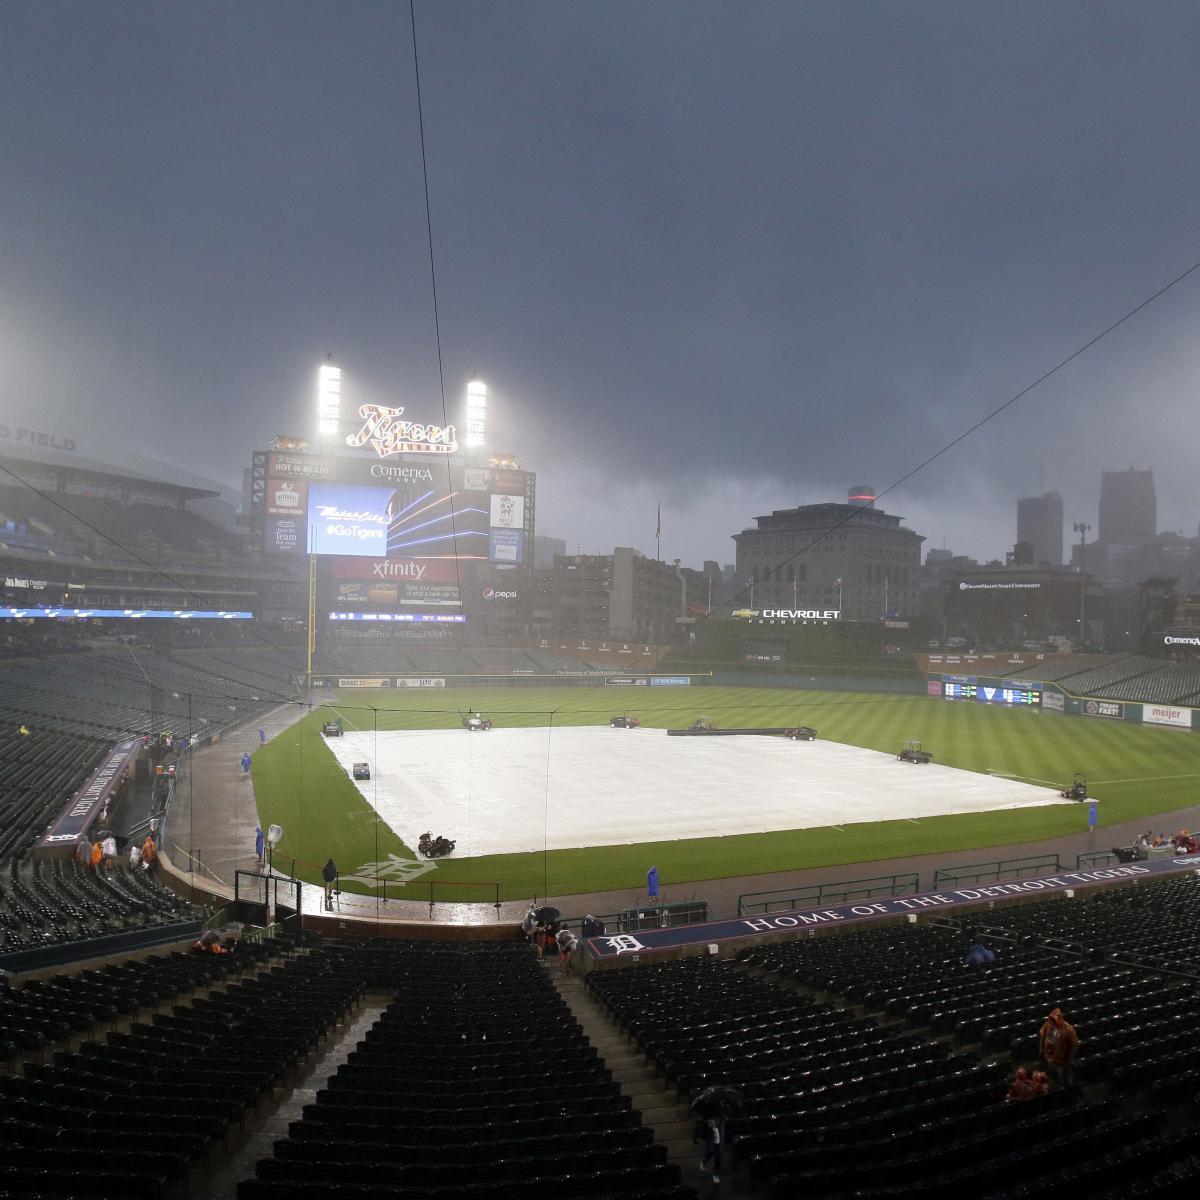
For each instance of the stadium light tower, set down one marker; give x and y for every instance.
(476, 414)
(329, 399)
(1081, 528)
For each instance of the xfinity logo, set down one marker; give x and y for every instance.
(397, 570)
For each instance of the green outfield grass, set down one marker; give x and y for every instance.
(1136, 770)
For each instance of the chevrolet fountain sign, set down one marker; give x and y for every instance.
(787, 614)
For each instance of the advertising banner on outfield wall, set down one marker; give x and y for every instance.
(419, 681)
(370, 682)
(1113, 709)
(1053, 701)
(1167, 714)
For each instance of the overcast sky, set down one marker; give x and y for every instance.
(732, 257)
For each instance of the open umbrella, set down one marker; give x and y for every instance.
(546, 915)
(718, 1101)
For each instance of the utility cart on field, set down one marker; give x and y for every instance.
(911, 752)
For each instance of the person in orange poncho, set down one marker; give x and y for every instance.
(1057, 1044)
(149, 852)
(97, 856)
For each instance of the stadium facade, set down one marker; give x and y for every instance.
(851, 558)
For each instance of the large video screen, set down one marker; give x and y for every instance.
(407, 521)
(358, 507)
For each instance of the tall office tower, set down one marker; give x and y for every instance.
(1040, 524)
(1128, 508)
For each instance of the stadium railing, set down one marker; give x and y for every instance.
(834, 892)
(991, 872)
(1094, 858)
(659, 916)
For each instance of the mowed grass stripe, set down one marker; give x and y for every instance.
(299, 784)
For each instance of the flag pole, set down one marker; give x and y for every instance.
(658, 535)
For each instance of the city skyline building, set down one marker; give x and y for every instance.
(1128, 508)
(1040, 526)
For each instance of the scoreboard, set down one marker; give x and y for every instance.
(1015, 696)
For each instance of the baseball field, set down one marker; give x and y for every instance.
(1137, 771)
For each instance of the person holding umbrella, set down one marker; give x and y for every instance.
(714, 1105)
(546, 917)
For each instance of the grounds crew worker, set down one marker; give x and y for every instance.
(329, 873)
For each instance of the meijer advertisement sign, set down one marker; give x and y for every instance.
(1167, 714)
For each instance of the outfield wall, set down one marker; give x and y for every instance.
(606, 679)
(897, 685)
(1054, 698)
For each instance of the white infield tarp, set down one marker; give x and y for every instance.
(515, 790)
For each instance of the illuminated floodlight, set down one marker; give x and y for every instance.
(329, 399)
(476, 412)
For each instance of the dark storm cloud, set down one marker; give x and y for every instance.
(732, 257)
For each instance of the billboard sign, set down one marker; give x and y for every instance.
(368, 470)
(314, 467)
(286, 498)
(506, 545)
(412, 570)
(284, 535)
(507, 512)
(1167, 714)
(1181, 639)
(1053, 701)
(800, 616)
(1112, 709)
(422, 681)
(358, 592)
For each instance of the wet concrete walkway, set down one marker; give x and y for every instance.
(662, 1110)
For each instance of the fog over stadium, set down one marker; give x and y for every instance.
(672, 528)
(721, 257)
